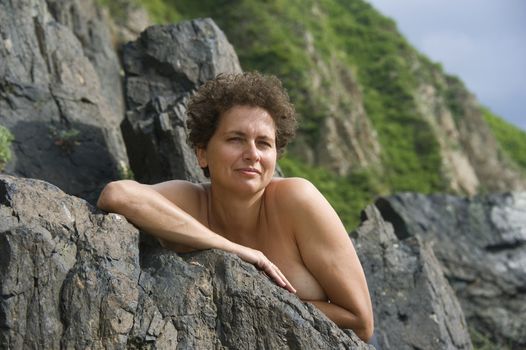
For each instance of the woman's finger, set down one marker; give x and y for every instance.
(275, 273)
(271, 270)
(263, 263)
(288, 285)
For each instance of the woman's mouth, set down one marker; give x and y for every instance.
(249, 171)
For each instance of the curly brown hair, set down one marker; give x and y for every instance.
(243, 89)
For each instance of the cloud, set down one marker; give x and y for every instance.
(481, 41)
(454, 47)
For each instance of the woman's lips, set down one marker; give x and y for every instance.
(249, 171)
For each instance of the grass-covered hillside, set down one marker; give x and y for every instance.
(512, 139)
(310, 45)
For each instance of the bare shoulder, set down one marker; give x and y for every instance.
(306, 209)
(295, 192)
(187, 195)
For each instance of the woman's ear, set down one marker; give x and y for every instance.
(200, 152)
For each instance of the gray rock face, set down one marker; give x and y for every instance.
(54, 102)
(68, 276)
(492, 167)
(414, 306)
(472, 159)
(162, 68)
(73, 277)
(481, 244)
(87, 22)
(132, 19)
(347, 140)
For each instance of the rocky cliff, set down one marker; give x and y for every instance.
(74, 277)
(481, 244)
(414, 306)
(60, 94)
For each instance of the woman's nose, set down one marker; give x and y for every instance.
(251, 152)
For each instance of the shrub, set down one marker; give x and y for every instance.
(5, 146)
(511, 139)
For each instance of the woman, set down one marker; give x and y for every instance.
(239, 125)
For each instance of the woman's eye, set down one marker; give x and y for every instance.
(234, 139)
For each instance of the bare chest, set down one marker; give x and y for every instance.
(279, 245)
(275, 238)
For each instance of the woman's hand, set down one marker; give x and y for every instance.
(259, 259)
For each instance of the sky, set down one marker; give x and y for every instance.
(481, 41)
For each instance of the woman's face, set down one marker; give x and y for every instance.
(241, 154)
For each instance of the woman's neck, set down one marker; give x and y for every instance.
(237, 218)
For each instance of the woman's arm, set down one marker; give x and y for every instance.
(152, 212)
(343, 318)
(328, 253)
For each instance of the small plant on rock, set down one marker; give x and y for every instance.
(6, 137)
(67, 140)
(125, 173)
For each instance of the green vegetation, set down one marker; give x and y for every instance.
(383, 57)
(66, 139)
(511, 139)
(483, 342)
(125, 173)
(118, 8)
(455, 95)
(159, 10)
(348, 195)
(6, 137)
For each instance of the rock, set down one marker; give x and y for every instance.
(457, 170)
(481, 243)
(127, 20)
(54, 102)
(346, 139)
(163, 66)
(414, 306)
(73, 277)
(92, 28)
(492, 166)
(156, 138)
(68, 274)
(472, 160)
